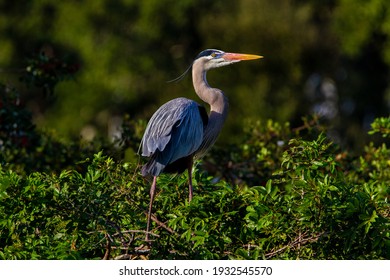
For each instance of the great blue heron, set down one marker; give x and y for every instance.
(181, 129)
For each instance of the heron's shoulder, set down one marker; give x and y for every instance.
(182, 102)
(185, 107)
(179, 106)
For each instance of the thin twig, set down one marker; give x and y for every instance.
(306, 125)
(108, 247)
(135, 231)
(154, 218)
(161, 224)
(296, 243)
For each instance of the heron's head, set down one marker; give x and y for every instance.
(213, 58)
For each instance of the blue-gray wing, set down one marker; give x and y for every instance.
(174, 131)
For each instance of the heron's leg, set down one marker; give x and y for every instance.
(152, 193)
(190, 188)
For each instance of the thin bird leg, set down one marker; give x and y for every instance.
(152, 194)
(190, 188)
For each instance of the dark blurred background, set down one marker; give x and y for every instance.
(331, 58)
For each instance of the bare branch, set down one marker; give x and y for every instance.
(300, 240)
(108, 247)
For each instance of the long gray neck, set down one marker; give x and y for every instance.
(218, 106)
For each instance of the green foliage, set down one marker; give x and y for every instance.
(312, 202)
(25, 149)
(45, 71)
(16, 128)
(382, 126)
(70, 215)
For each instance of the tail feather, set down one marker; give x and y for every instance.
(152, 167)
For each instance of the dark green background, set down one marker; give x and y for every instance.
(127, 50)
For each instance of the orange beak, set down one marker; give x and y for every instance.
(240, 56)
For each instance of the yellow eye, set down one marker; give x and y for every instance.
(213, 54)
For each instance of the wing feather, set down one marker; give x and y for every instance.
(174, 131)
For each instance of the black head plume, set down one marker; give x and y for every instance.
(204, 53)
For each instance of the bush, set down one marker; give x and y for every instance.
(25, 149)
(295, 196)
(70, 215)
